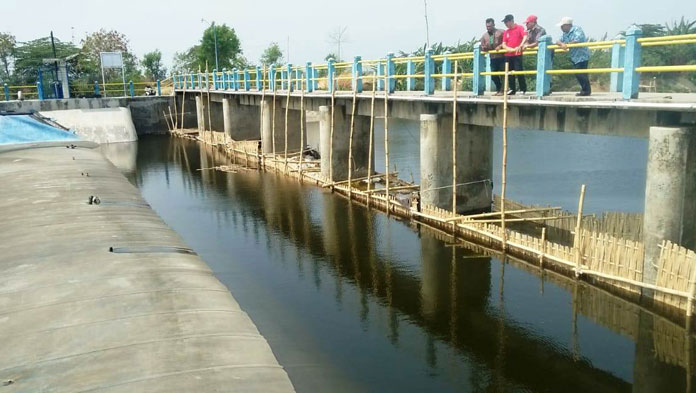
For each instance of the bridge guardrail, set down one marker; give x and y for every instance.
(625, 69)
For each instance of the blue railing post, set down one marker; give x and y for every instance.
(288, 72)
(446, 69)
(315, 80)
(357, 74)
(159, 87)
(215, 79)
(193, 86)
(331, 72)
(298, 78)
(39, 90)
(544, 63)
(96, 88)
(391, 71)
(617, 61)
(380, 76)
(259, 78)
(283, 79)
(479, 81)
(489, 79)
(200, 81)
(224, 80)
(410, 70)
(428, 70)
(632, 60)
(308, 77)
(131, 88)
(6, 88)
(235, 79)
(247, 80)
(271, 77)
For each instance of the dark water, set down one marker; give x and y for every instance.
(353, 301)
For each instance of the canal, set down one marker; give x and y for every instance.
(353, 301)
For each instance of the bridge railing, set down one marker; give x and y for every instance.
(436, 72)
(96, 89)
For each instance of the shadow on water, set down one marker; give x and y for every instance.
(351, 300)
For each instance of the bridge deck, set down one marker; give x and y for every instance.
(76, 317)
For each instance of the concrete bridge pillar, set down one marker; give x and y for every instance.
(474, 164)
(338, 161)
(670, 189)
(241, 122)
(200, 113)
(267, 140)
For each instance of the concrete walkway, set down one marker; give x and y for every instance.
(76, 317)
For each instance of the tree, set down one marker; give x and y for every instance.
(107, 41)
(8, 44)
(272, 54)
(229, 48)
(332, 56)
(186, 61)
(152, 62)
(29, 58)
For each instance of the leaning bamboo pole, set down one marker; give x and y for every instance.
(350, 143)
(261, 112)
(504, 166)
(164, 114)
(183, 104)
(210, 125)
(302, 144)
(454, 140)
(333, 120)
(176, 111)
(287, 111)
(372, 133)
(576, 237)
(386, 137)
(273, 115)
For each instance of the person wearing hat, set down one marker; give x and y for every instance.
(579, 57)
(514, 39)
(492, 40)
(534, 32)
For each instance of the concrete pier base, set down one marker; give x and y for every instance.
(267, 127)
(474, 164)
(338, 161)
(240, 122)
(670, 208)
(201, 114)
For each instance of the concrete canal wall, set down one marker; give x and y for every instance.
(106, 297)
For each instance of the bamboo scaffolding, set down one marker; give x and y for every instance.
(386, 136)
(576, 238)
(287, 111)
(302, 143)
(504, 166)
(350, 143)
(454, 139)
(372, 133)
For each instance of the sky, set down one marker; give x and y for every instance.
(374, 27)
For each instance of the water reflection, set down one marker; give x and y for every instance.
(122, 155)
(353, 301)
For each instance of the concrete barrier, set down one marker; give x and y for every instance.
(108, 125)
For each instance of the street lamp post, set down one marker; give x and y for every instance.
(217, 66)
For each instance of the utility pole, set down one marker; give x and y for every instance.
(287, 52)
(217, 65)
(427, 28)
(338, 37)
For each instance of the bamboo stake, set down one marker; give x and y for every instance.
(398, 188)
(492, 214)
(386, 136)
(504, 166)
(350, 144)
(172, 117)
(273, 115)
(166, 121)
(454, 141)
(692, 293)
(287, 111)
(302, 144)
(372, 133)
(176, 112)
(263, 104)
(543, 247)
(522, 219)
(576, 238)
(183, 105)
(333, 120)
(207, 89)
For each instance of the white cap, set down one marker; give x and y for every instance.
(566, 20)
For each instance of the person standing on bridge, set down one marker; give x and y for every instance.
(514, 39)
(580, 57)
(534, 32)
(492, 40)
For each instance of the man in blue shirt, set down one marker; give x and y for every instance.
(578, 56)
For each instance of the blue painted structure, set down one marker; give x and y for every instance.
(478, 81)
(357, 74)
(618, 58)
(544, 63)
(631, 80)
(25, 129)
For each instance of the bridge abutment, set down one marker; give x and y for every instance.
(670, 189)
(338, 161)
(474, 164)
(240, 122)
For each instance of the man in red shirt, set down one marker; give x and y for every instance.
(514, 39)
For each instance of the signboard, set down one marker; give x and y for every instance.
(111, 59)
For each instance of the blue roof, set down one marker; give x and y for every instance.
(25, 129)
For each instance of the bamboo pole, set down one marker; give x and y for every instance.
(372, 133)
(166, 121)
(176, 112)
(398, 188)
(263, 104)
(576, 238)
(172, 117)
(210, 124)
(521, 219)
(543, 248)
(692, 293)
(504, 166)
(492, 214)
(454, 140)
(333, 120)
(287, 111)
(302, 143)
(386, 136)
(350, 144)
(273, 115)
(183, 105)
